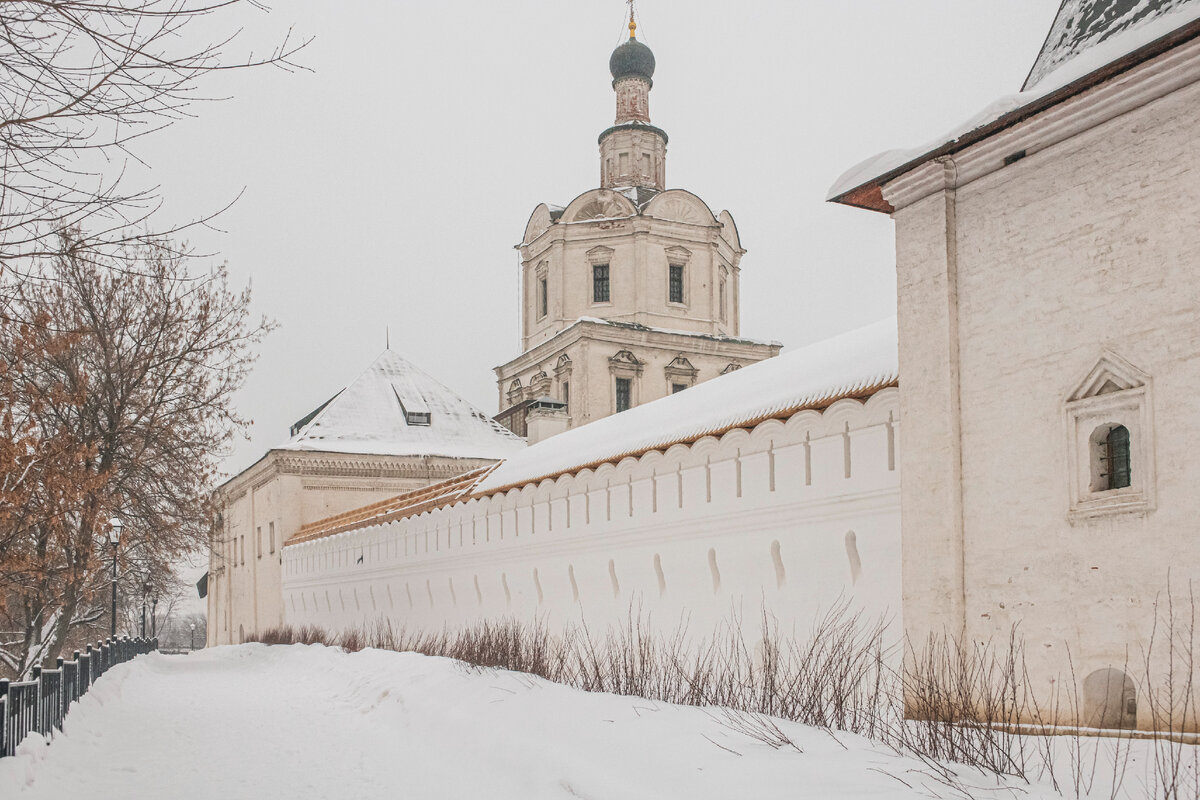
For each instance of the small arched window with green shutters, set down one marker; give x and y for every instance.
(1116, 458)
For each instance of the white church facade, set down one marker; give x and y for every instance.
(1044, 369)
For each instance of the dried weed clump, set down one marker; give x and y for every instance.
(942, 701)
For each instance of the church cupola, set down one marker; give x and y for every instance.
(633, 152)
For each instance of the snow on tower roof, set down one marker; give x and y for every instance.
(1089, 42)
(855, 364)
(395, 408)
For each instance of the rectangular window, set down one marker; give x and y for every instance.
(566, 396)
(676, 388)
(258, 544)
(623, 393)
(724, 313)
(623, 160)
(543, 298)
(675, 294)
(600, 293)
(243, 538)
(271, 526)
(646, 165)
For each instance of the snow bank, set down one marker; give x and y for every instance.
(310, 722)
(1078, 65)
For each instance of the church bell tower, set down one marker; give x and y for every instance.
(633, 153)
(630, 292)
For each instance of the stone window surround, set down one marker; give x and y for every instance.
(1114, 393)
(539, 385)
(722, 300)
(562, 367)
(678, 257)
(677, 372)
(542, 297)
(516, 392)
(599, 257)
(624, 364)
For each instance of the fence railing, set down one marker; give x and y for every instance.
(41, 704)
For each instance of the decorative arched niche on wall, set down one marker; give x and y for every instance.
(853, 557)
(1110, 440)
(1109, 700)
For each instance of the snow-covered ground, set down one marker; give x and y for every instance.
(253, 721)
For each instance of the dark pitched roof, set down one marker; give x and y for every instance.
(1082, 24)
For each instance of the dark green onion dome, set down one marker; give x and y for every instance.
(631, 60)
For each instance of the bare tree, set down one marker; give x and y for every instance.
(80, 82)
(148, 380)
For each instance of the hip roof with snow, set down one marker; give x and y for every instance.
(856, 364)
(395, 408)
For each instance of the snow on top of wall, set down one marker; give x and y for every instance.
(1142, 22)
(368, 417)
(852, 364)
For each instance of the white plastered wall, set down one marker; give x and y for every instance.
(1014, 285)
(805, 483)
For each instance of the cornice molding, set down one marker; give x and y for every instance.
(1153, 80)
(342, 465)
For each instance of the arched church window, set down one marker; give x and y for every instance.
(1115, 454)
(600, 287)
(1110, 434)
(675, 283)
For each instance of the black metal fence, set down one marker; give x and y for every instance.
(41, 703)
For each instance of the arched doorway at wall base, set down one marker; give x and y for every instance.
(1109, 700)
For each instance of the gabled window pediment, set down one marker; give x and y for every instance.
(1110, 440)
(1111, 374)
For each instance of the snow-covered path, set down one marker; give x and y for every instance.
(311, 722)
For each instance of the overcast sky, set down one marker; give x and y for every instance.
(387, 187)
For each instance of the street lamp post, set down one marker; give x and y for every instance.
(193, 636)
(114, 536)
(145, 591)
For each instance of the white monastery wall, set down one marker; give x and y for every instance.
(1012, 288)
(269, 504)
(791, 515)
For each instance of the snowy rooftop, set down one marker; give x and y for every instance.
(855, 364)
(852, 364)
(395, 408)
(1087, 36)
